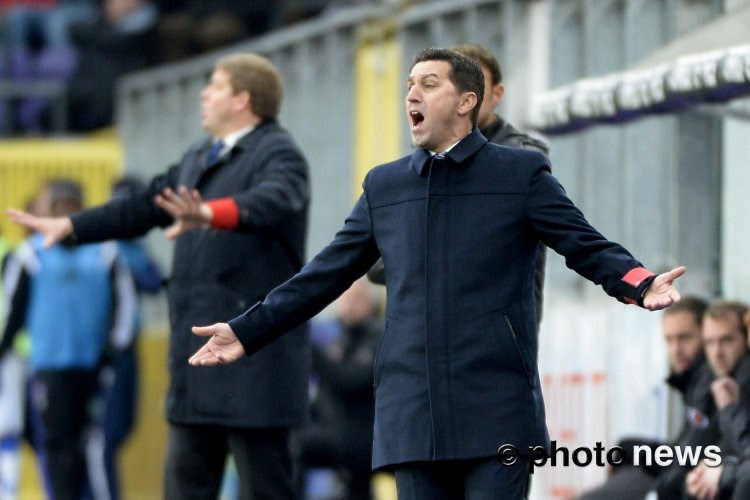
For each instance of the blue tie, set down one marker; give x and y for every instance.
(213, 153)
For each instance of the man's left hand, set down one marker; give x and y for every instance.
(662, 292)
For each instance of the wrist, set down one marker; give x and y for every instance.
(206, 213)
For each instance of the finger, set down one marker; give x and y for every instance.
(205, 359)
(172, 197)
(49, 240)
(198, 354)
(187, 198)
(22, 218)
(196, 196)
(206, 331)
(168, 206)
(674, 273)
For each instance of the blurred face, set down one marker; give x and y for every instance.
(438, 115)
(355, 305)
(220, 105)
(493, 94)
(724, 343)
(683, 337)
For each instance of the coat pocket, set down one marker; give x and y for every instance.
(511, 345)
(519, 351)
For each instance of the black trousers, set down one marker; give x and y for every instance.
(196, 455)
(480, 479)
(64, 399)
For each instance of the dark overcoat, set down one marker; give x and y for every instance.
(218, 274)
(456, 370)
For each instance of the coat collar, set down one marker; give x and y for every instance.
(464, 149)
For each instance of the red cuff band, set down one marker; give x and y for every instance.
(635, 276)
(226, 213)
(630, 301)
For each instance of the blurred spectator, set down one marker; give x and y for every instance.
(121, 400)
(340, 435)
(12, 384)
(77, 304)
(726, 344)
(691, 377)
(190, 27)
(39, 46)
(121, 41)
(15, 421)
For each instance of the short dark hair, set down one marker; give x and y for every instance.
(729, 310)
(65, 189)
(485, 59)
(465, 73)
(690, 304)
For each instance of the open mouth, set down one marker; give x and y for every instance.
(416, 118)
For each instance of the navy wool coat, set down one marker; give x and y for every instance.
(456, 370)
(218, 273)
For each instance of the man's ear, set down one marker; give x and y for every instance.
(467, 103)
(243, 99)
(498, 92)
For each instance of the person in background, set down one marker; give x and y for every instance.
(725, 339)
(691, 377)
(12, 386)
(340, 435)
(246, 238)
(120, 405)
(77, 304)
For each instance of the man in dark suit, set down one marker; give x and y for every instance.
(498, 130)
(247, 238)
(456, 372)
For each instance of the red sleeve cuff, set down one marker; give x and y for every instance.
(226, 213)
(635, 276)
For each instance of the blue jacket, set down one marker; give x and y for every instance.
(76, 302)
(456, 371)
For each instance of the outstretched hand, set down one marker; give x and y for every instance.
(54, 229)
(662, 292)
(187, 208)
(223, 346)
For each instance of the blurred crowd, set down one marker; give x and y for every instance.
(70, 53)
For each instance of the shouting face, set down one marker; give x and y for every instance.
(439, 115)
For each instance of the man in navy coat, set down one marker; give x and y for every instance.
(456, 373)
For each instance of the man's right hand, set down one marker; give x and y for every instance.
(223, 346)
(54, 229)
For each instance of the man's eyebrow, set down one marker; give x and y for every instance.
(422, 77)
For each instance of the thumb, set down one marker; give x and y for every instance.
(675, 273)
(49, 240)
(205, 331)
